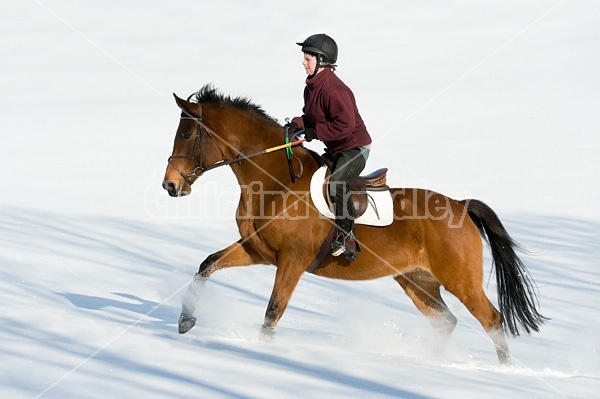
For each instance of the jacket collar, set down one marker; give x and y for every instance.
(320, 77)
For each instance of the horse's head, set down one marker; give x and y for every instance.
(217, 130)
(194, 145)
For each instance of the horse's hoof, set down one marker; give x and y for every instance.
(186, 322)
(504, 358)
(267, 333)
(506, 361)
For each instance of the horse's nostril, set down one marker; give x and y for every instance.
(169, 185)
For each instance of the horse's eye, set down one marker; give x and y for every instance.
(186, 136)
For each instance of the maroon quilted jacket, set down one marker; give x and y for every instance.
(330, 108)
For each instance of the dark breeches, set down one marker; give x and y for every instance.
(348, 166)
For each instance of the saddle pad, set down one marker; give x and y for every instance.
(380, 211)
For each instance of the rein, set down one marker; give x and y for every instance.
(198, 145)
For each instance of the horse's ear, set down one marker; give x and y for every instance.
(181, 103)
(194, 109)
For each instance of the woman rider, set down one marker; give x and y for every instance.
(330, 115)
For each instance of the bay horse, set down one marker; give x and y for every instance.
(433, 240)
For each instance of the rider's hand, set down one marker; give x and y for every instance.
(291, 127)
(310, 134)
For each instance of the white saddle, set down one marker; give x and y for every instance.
(379, 212)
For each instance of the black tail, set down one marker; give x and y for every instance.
(516, 294)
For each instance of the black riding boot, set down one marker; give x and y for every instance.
(347, 167)
(345, 240)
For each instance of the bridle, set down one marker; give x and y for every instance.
(201, 128)
(198, 146)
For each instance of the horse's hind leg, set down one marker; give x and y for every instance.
(424, 291)
(490, 318)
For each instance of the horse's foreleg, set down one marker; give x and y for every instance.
(234, 255)
(286, 279)
(188, 306)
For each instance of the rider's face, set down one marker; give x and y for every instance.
(309, 63)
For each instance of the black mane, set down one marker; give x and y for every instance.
(208, 94)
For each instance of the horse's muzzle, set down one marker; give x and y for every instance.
(174, 188)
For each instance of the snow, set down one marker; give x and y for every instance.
(490, 100)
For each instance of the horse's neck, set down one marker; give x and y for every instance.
(269, 173)
(271, 170)
(266, 172)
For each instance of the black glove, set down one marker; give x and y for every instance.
(310, 134)
(291, 127)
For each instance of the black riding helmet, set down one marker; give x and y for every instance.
(321, 45)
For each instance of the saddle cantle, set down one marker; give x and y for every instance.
(370, 195)
(373, 181)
